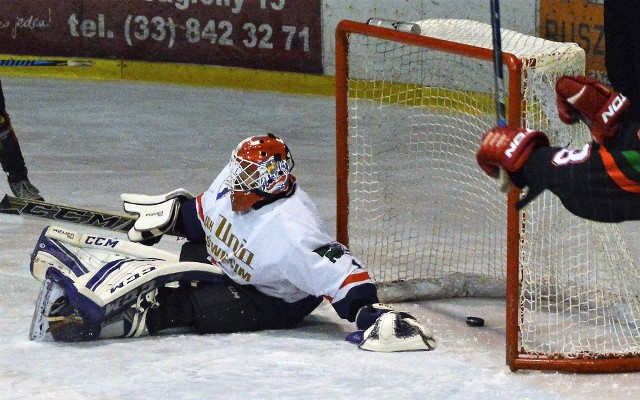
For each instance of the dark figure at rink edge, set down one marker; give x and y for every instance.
(256, 258)
(11, 157)
(601, 180)
(622, 56)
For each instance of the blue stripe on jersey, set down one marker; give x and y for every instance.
(356, 297)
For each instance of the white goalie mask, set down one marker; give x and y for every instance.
(260, 167)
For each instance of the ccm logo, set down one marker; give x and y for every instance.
(614, 107)
(514, 144)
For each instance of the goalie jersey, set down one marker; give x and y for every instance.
(280, 248)
(600, 183)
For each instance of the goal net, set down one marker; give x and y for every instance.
(428, 223)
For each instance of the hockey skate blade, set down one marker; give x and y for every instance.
(49, 293)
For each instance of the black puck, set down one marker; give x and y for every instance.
(475, 321)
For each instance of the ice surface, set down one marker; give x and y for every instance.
(86, 142)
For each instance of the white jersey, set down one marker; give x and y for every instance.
(280, 249)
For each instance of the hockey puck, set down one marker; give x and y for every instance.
(475, 321)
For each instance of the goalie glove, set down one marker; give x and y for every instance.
(504, 150)
(157, 215)
(597, 105)
(367, 315)
(508, 148)
(389, 331)
(397, 331)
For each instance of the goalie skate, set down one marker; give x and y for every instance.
(51, 292)
(54, 319)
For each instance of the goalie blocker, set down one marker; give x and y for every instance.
(156, 215)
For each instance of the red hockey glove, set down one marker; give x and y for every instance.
(508, 148)
(599, 106)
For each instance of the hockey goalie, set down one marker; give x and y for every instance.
(256, 258)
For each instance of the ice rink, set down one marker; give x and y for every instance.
(86, 142)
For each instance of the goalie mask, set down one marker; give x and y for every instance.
(260, 169)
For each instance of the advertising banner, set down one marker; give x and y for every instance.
(578, 21)
(281, 35)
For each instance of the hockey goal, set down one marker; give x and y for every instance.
(415, 207)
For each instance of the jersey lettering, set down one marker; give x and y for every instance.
(216, 252)
(567, 157)
(223, 232)
(613, 108)
(241, 272)
(513, 146)
(208, 223)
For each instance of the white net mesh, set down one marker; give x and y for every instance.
(428, 223)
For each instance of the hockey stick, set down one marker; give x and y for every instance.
(44, 63)
(64, 213)
(498, 81)
(498, 68)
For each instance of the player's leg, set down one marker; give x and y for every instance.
(225, 308)
(622, 56)
(11, 157)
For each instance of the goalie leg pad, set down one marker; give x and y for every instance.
(101, 281)
(395, 331)
(133, 321)
(55, 319)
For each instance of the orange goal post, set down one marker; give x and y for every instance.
(428, 223)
